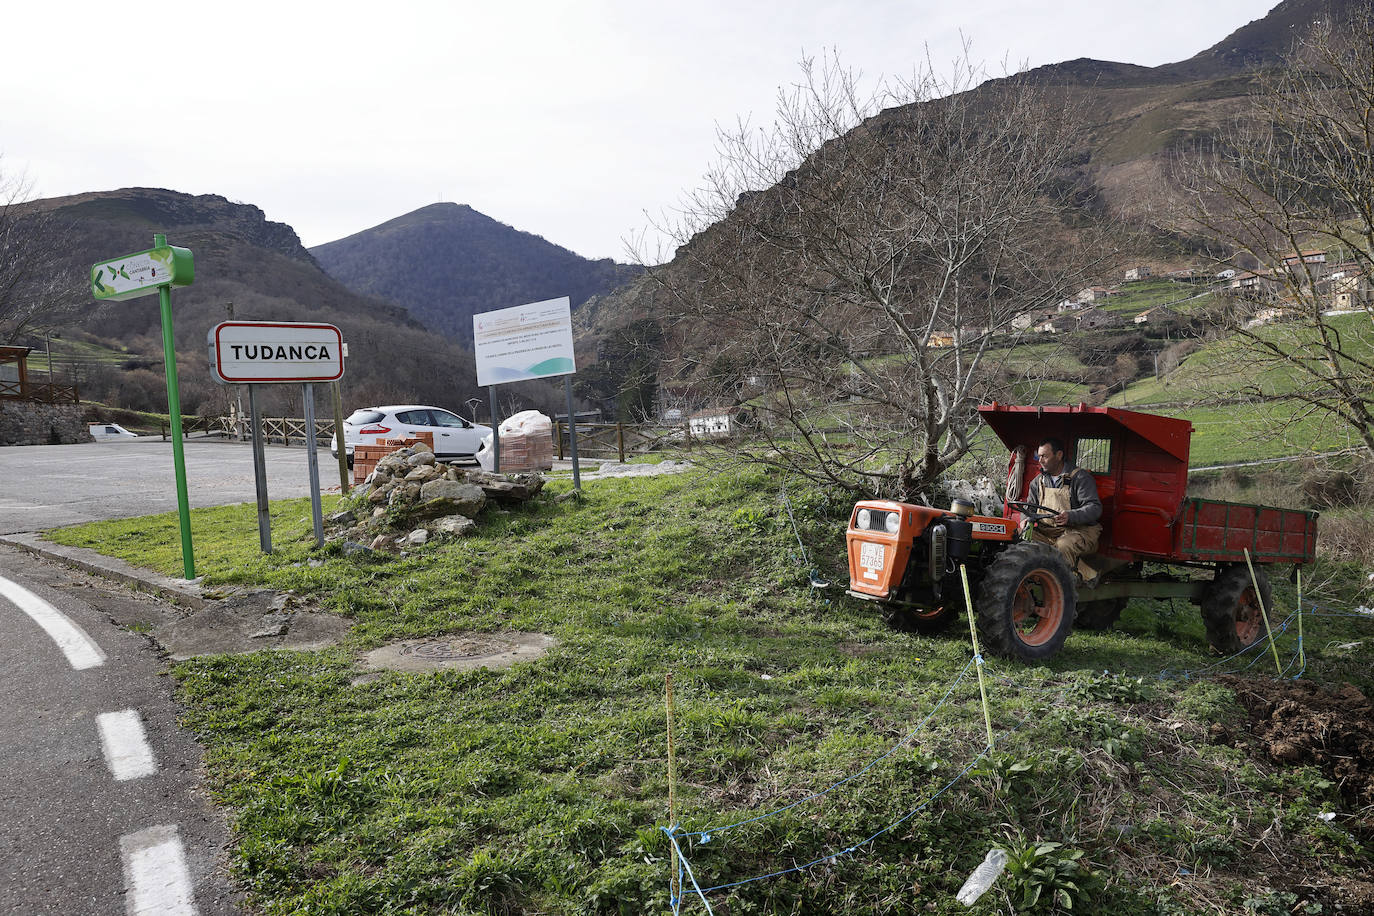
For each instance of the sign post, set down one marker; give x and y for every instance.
(313, 461)
(157, 271)
(256, 353)
(526, 342)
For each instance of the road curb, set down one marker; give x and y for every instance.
(179, 591)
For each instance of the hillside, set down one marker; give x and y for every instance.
(446, 262)
(1138, 119)
(260, 267)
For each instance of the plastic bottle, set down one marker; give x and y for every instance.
(978, 883)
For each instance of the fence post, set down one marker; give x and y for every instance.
(558, 436)
(620, 440)
(285, 432)
(687, 434)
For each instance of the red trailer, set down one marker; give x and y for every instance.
(1028, 599)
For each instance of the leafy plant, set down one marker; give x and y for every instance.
(1047, 875)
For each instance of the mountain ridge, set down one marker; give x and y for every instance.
(446, 262)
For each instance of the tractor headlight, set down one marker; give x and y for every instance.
(864, 517)
(893, 522)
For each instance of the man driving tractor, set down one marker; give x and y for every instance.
(1070, 493)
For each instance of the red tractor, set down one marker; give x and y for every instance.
(1026, 597)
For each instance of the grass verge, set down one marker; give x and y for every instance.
(542, 788)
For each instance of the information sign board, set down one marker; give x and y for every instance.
(524, 342)
(275, 352)
(142, 274)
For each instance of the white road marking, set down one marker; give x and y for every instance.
(125, 744)
(80, 649)
(155, 874)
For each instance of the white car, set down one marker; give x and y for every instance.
(454, 437)
(102, 432)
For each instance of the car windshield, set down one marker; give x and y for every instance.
(444, 418)
(363, 416)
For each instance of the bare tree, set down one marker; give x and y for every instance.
(849, 276)
(1295, 174)
(35, 290)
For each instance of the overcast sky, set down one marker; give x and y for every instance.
(568, 120)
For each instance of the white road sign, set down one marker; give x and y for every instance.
(524, 342)
(271, 352)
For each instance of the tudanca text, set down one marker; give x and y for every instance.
(295, 352)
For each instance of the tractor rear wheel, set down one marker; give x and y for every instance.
(919, 620)
(1026, 602)
(1231, 611)
(1100, 614)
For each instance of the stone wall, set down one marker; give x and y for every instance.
(36, 423)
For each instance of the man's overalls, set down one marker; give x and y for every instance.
(1074, 542)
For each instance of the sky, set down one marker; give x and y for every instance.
(568, 120)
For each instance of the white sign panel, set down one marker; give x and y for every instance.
(524, 342)
(269, 352)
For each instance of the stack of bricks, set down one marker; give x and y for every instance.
(365, 457)
(530, 449)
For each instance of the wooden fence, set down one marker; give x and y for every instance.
(619, 439)
(284, 430)
(12, 389)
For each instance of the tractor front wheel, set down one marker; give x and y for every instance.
(1231, 611)
(1026, 602)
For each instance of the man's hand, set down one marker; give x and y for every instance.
(1062, 520)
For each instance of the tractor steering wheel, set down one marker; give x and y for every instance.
(1032, 511)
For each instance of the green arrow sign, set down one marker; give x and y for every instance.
(143, 273)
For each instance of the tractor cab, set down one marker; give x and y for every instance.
(1139, 460)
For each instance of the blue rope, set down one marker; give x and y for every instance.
(844, 852)
(682, 858)
(704, 836)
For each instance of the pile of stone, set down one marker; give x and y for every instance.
(410, 498)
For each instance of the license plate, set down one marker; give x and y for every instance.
(871, 559)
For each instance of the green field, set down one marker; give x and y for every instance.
(543, 788)
(1140, 295)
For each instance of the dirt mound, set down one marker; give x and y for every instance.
(1299, 722)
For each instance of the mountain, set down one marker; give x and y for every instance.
(446, 262)
(260, 267)
(1139, 119)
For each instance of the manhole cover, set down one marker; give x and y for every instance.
(470, 650)
(455, 649)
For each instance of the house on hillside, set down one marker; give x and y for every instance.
(1252, 284)
(1158, 313)
(1056, 325)
(1311, 256)
(1139, 273)
(940, 339)
(1094, 318)
(1350, 289)
(1093, 294)
(1026, 320)
(1069, 305)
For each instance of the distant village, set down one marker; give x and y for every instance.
(1274, 292)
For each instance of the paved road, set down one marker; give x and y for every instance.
(103, 810)
(47, 486)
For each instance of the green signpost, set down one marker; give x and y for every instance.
(157, 270)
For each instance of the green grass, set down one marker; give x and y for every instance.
(541, 788)
(1244, 430)
(1141, 295)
